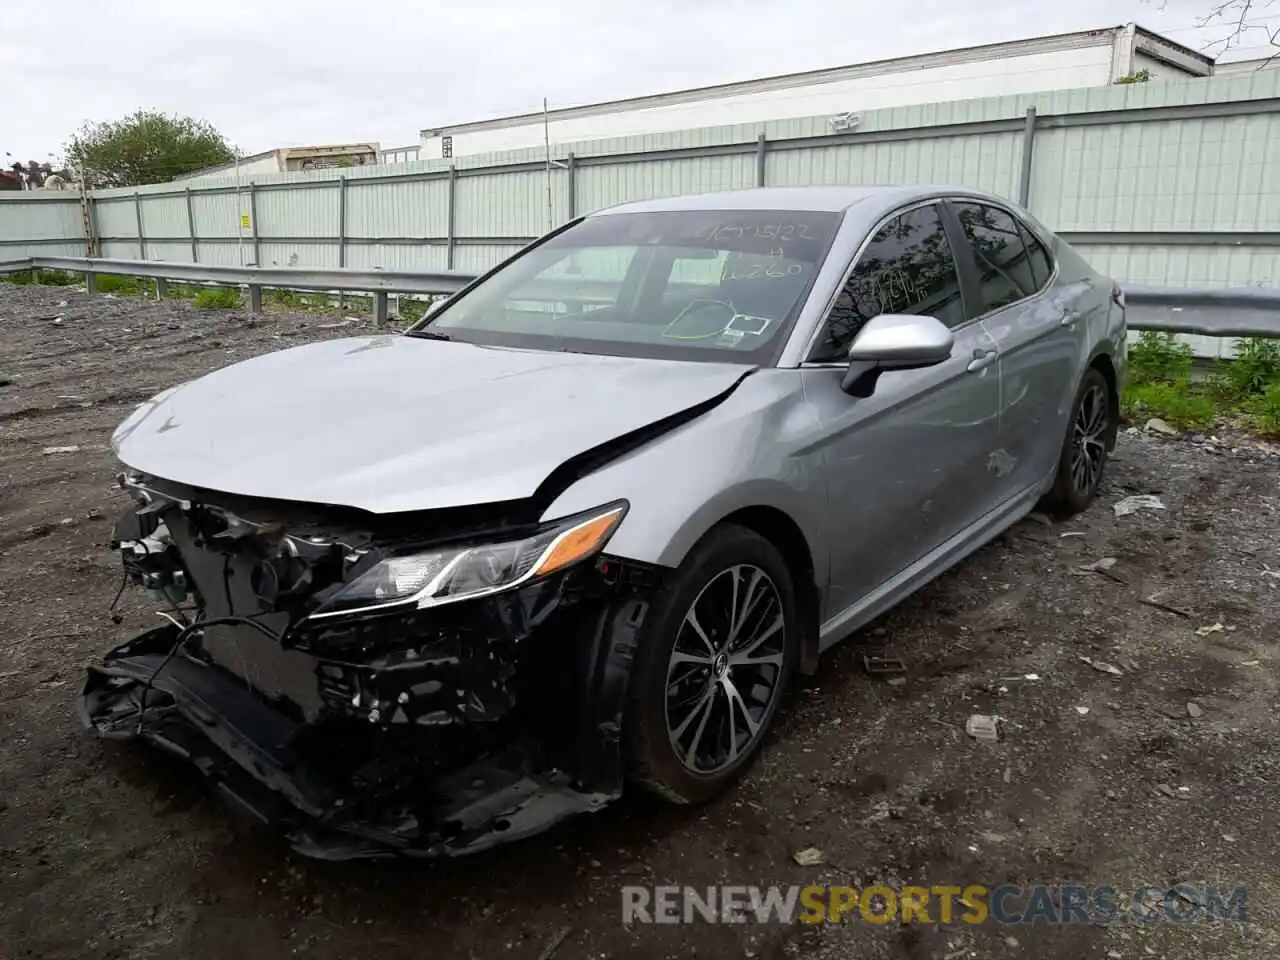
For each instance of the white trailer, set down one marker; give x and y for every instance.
(1085, 59)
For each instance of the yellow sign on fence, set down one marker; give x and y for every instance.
(245, 222)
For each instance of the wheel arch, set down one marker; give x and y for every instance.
(782, 531)
(1103, 363)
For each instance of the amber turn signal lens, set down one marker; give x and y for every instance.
(578, 542)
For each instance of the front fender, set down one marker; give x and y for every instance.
(751, 451)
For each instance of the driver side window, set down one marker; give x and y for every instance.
(907, 268)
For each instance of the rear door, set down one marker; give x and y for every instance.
(1035, 324)
(906, 468)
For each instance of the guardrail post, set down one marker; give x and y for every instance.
(162, 288)
(379, 308)
(571, 190)
(90, 281)
(1028, 143)
(762, 150)
(452, 239)
(191, 228)
(253, 224)
(137, 215)
(255, 298)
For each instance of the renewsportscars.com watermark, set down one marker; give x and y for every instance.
(939, 904)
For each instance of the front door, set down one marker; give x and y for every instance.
(907, 467)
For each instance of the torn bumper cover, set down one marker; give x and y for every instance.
(412, 727)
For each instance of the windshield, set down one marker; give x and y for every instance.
(687, 285)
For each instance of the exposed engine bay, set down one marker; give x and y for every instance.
(425, 684)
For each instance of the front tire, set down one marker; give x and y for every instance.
(1084, 449)
(712, 667)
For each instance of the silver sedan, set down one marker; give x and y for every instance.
(584, 521)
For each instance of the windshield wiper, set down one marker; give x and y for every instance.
(430, 335)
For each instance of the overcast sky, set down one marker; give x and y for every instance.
(269, 73)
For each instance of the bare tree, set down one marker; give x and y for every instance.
(1241, 20)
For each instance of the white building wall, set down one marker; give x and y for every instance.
(1156, 69)
(270, 163)
(1027, 73)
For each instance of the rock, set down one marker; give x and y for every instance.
(1102, 667)
(981, 727)
(1194, 711)
(1156, 425)
(809, 857)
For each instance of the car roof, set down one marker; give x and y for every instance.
(835, 199)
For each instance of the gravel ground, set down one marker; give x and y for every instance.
(110, 851)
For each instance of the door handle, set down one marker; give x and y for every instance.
(981, 358)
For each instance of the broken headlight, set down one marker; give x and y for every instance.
(447, 574)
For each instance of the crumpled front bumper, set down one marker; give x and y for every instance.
(271, 763)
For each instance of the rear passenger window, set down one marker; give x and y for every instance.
(1011, 264)
(907, 267)
(1041, 265)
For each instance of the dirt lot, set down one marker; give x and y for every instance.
(1170, 775)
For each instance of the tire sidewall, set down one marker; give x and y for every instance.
(648, 737)
(1066, 494)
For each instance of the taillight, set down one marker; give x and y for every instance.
(1117, 295)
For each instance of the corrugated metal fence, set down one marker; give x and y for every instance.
(1162, 183)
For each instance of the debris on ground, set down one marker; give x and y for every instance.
(1212, 628)
(809, 857)
(1141, 501)
(1083, 711)
(1152, 601)
(876, 665)
(1102, 667)
(553, 944)
(1103, 567)
(1156, 425)
(982, 727)
(50, 451)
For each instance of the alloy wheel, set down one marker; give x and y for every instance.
(723, 674)
(1089, 440)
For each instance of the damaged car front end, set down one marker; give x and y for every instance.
(426, 684)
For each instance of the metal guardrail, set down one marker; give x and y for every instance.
(380, 283)
(1229, 312)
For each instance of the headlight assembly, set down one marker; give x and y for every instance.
(446, 574)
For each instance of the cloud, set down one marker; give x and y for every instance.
(269, 73)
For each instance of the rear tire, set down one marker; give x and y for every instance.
(712, 667)
(1084, 449)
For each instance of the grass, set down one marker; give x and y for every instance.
(216, 298)
(1164, 382)
(125, 286)
(45, 278)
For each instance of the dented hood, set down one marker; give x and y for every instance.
(396, 423)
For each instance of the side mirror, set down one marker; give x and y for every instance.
(892, 341)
